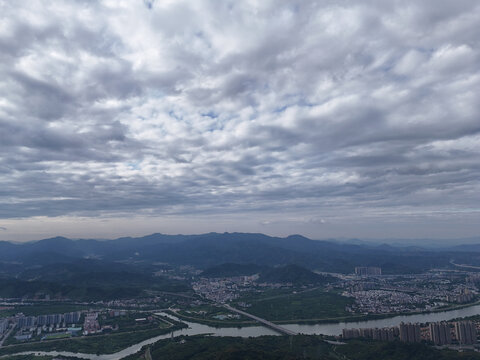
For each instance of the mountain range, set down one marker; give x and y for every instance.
(207, 250)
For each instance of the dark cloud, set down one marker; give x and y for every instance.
(314, 113)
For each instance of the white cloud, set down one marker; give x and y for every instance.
(180, 107)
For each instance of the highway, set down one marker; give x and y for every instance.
(267, 323)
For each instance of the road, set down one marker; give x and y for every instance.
(267, 323)
(7, 334)
(287, 295)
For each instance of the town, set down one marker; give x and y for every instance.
(366, 292)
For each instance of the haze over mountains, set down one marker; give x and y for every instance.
(207, 250)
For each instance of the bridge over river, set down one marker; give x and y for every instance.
(267, 323)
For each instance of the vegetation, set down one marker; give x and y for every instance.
(265, 347)
(303, 305)
(396, 350)
(38, 357)
(92, 286)
(296, 347)
(128, 321)
(295, 275)
(213, 316)
(30, 357)
(207, 250)
(231, 269)
(101, 344)
(48, 308)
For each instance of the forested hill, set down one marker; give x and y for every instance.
(207, 250)
(291, 273)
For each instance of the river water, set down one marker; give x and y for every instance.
(253, 331)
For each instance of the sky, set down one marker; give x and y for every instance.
(331, 119)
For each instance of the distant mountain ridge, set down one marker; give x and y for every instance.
(211, 249)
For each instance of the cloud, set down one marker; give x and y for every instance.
(323, 108)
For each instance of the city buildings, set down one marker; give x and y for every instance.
(368, 270)
(26, 321)
(48, 320)
(407, 293)
(3, 325)
(409, 332)
(466, 332)
(91, 325)
(383, 334)
(71, 318)
(463, 298)
(440, 333)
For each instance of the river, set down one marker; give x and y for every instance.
(253, 331)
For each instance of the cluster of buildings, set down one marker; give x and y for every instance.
(464, 297)
(33, 326)
(408, 293)
(409, 332)
(222, 290)
(218, 290)
(377, 301)
(3, 326)
(146, 302)
(466, 332)
(368, 270)
(59, 325)
(91, 324)
(383, 334)
(47, 320)
(440, 333)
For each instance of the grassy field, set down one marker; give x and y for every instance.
(44, 309)
(7, 312)
(127, 322)
(57, 336)
(209, 315)
(308, 305)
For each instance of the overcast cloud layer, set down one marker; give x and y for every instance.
(330, 118)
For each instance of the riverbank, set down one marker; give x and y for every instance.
(333, 320)
(359, 318)
(94, 344)
(329, 329)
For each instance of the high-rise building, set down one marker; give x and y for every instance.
(71, 318)
(54, 319)
(376, 334)
(466, 332)
(366, 333)
(440, 333)
(409, 332)
(3, 325)
(368, 270)
(26, 321)
(382, 334)
(42, 320)
(350, 333)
